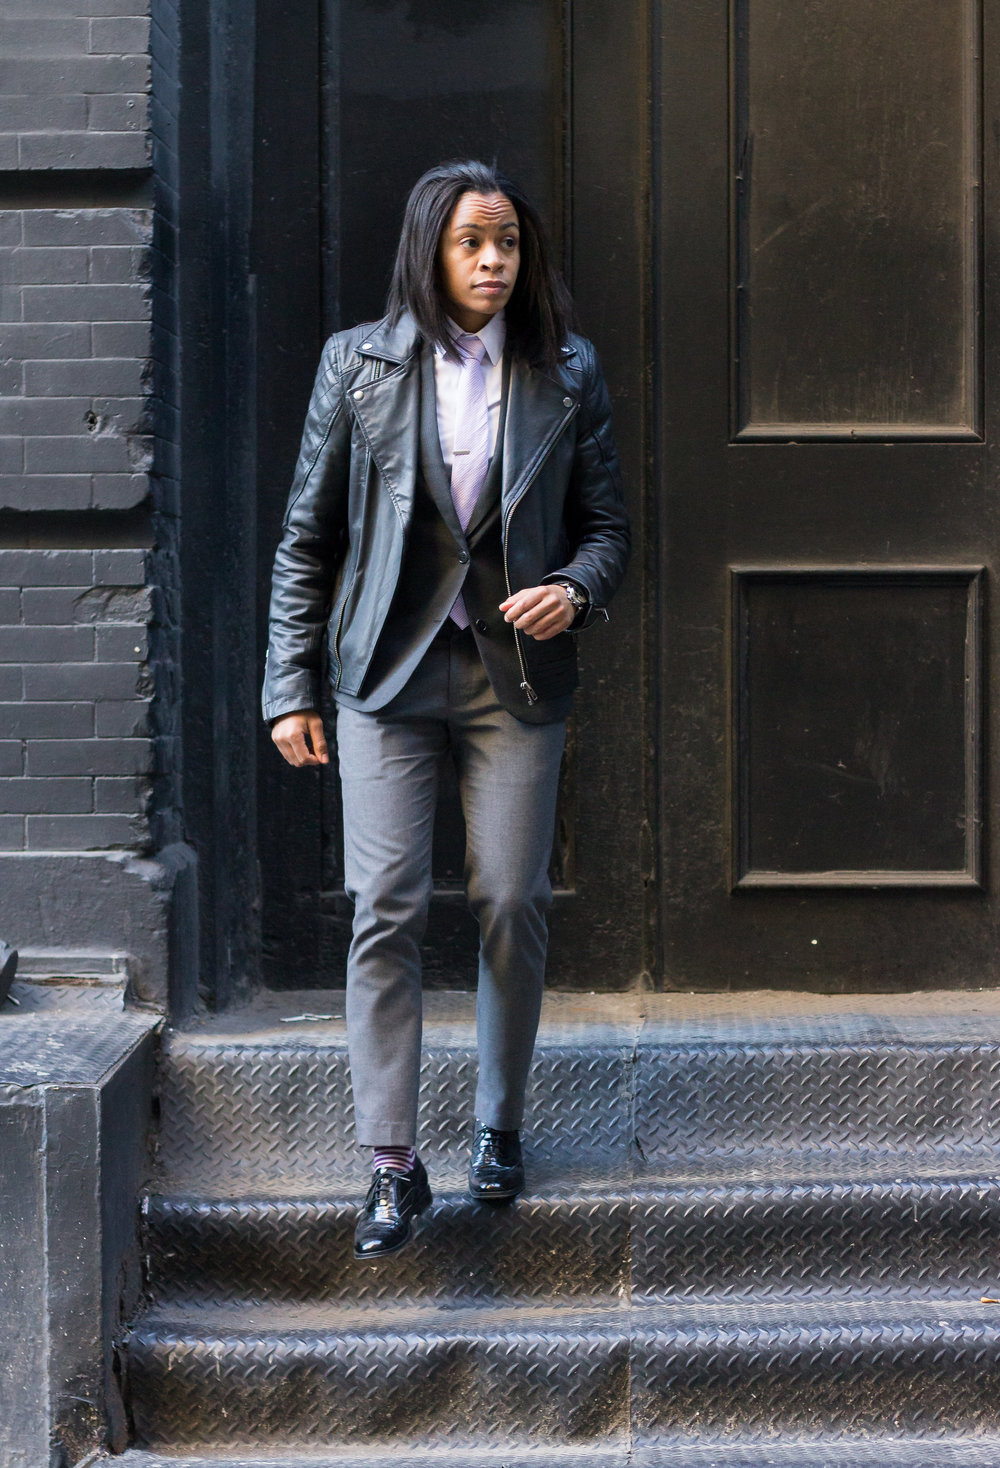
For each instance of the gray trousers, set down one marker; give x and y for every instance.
(508, 775)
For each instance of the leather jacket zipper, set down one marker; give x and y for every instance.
(336, 640)
(347, 596)
(526, 687)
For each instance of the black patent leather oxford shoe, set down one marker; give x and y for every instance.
(496, 1171)
(393, 1202)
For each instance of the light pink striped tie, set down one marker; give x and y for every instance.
(471, 447)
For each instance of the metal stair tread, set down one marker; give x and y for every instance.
(641, 1317)
(312, 1320)
(472, 1457)
(775, 1016)
(616, 1173)
(969, 1452)
(755, 1226)
(549, 1180)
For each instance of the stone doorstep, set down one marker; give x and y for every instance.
(82, 980)
(755, 1017)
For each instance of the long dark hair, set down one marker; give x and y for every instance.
(540, 311)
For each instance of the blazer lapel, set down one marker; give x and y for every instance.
(431, 460)
(490, 492)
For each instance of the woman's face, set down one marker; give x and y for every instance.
(479, 257)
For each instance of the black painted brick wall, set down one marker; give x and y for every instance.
(80, 740)
(74, 360)
(74, 77)
(75, 756)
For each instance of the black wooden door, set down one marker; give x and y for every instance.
(348, 118)
(825, 239)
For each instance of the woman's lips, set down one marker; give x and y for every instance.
(491, 287)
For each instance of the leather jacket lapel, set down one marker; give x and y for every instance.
(386, 404)
(538, 410)
(388, 408)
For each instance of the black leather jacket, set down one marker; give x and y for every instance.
(345, 526)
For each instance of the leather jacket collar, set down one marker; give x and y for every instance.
(540, 407)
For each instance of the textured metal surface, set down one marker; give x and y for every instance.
(301, 1249)
(760, 1017)
(847, 1453)
(29, 996)
(920, 1453)
(698, 1100)
(58, 1048)
(750, 1240)
(91, 981)
(766, 1240)
(739, 1076)
(878, 1368)
(240, 1116)
(608, 1456)
(260, 1376)
(729, 1243)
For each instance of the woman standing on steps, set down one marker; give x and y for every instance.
(454, 518)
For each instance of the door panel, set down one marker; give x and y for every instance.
(856, 179)
(849, 771)
(818, 230)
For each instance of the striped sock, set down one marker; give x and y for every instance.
(399, 1159)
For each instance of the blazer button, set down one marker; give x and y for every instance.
(463, 556)
(481, 625)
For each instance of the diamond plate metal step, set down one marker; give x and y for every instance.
(918, 1453)
(252, 1116)
(755, 1240)
(749, 1220)
(438, 1458)
(255, 1376)
(246, 1109)
(302, 1249)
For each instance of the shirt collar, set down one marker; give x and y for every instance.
(493, 336)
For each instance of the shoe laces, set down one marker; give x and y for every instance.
(382, 1193)
(487, 1146)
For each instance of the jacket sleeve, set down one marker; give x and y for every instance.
(310, 549)
(596, 520)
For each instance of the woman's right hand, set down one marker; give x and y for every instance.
(300, 738)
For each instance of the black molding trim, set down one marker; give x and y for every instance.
(76, 188)
(74, 529)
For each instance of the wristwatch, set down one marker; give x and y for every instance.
(579, 600)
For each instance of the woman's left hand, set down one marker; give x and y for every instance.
(539, 611)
